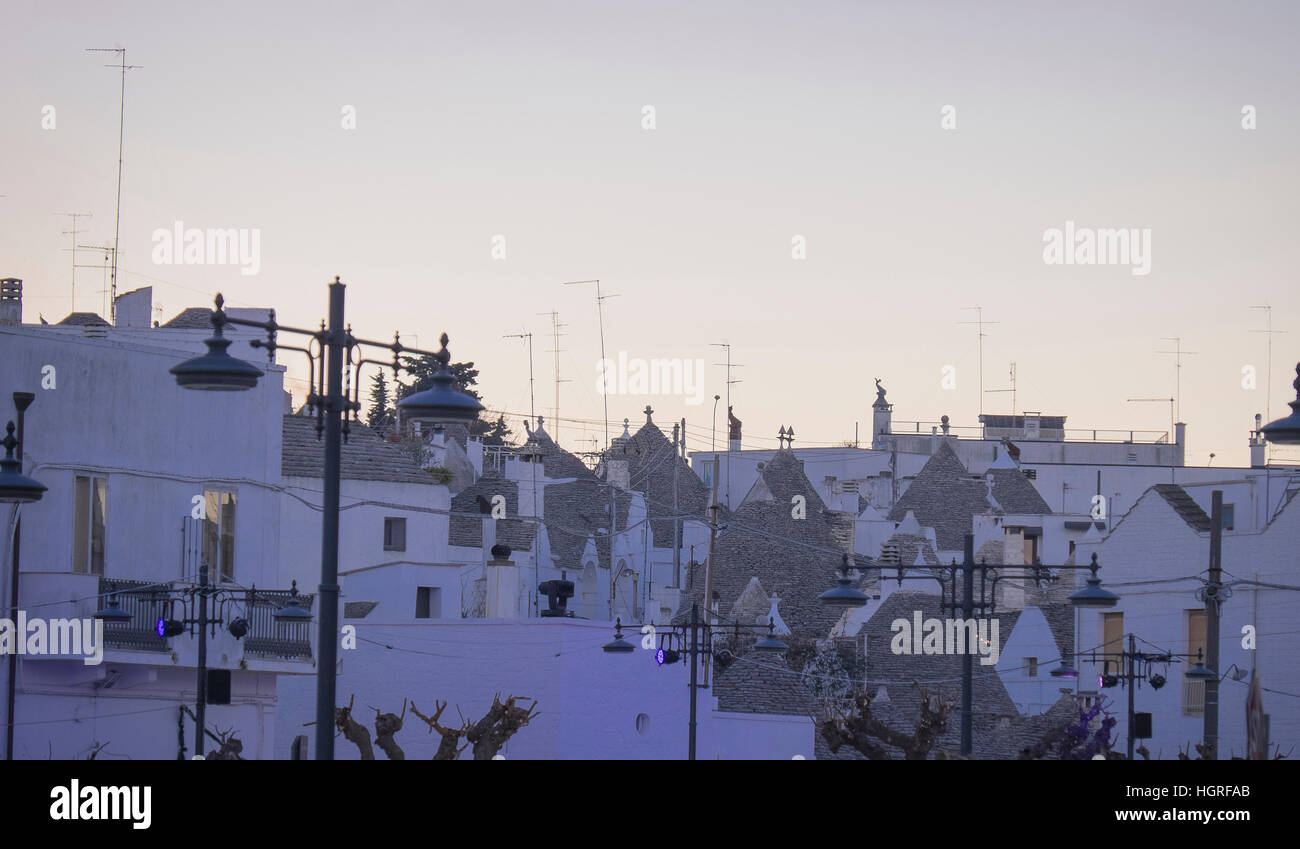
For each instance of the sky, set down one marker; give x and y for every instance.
(793, 192)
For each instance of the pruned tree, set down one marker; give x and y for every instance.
(447, 750)
(498, 725)
(229, 747)
(502, 721)
(353, 730)
(386, 726)
(856, 728)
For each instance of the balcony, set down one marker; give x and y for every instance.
(267, 638)
(146, 603)
(139, 634)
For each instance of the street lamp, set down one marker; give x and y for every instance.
(1286, 431)
(700, 636)
(336, 346)
(194, 600)
(1199, 672)
(1091, 596)
(844, 595)
(15, 487)
(1132, 667)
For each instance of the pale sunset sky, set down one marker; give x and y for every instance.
(770, 121)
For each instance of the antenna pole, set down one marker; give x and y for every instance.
(600, 317)
(556, 324)
(74, 231)
(532, 410)
(979, 320)
(121, 123)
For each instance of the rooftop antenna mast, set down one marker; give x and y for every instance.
(1012, 390)
(108, 252)
(73, 232)
(1268, 387)
(121, 122)
(600, 317)
(556, 324)
(532, 410)
(729, 365)
(1170, 402)
(979, 320)
(1178, 353)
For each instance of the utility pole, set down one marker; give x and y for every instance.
(1213, 596)
(600, 316)
(967, 670)
(979, 320)
(1178, 353)
(679, 432)
(556, 324)
(121, 123)
(201, 703)
(708, 564)
(73, 232)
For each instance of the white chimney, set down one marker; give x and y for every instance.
(11, 301)
(1258, 447)
(503, 578)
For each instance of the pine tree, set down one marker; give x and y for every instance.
(381, 411)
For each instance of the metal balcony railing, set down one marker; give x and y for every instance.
(268, 638)
(140, 633)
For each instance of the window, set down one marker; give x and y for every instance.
(1194, 691)
(1112, 641)
(1031, 667)
(394, 534)
(1031, 548)
(428, 603)
(219, 535)
(89, 518)
(1229, 517)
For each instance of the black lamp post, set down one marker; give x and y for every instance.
(218, 371)
(844, 595)
(195, 616)
(15, 488)
(1132, 667)
(700, 636)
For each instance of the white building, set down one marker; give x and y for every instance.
(130, 459)
(1155, 558)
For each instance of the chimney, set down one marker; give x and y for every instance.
(134, 308)
(502, 585)
(1180, 440)
(11, 301)
(1033, 423)
(1258, 447)
(617, 473)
